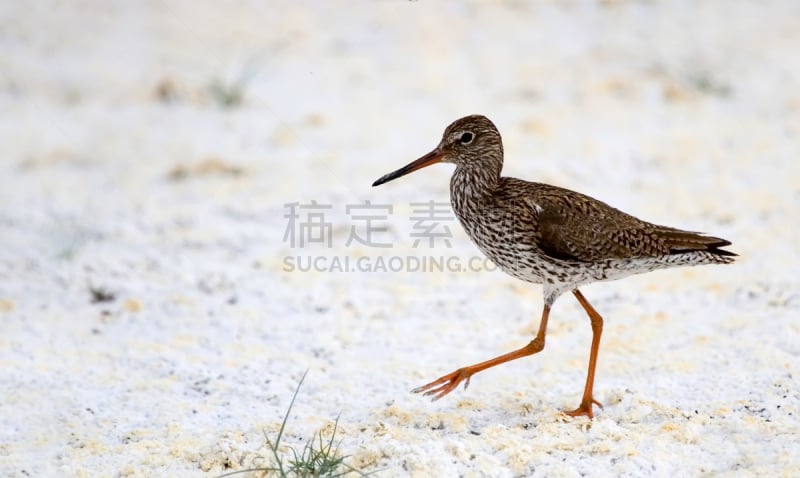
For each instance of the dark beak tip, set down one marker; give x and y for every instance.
(433, 157)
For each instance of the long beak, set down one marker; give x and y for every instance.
(433, 157)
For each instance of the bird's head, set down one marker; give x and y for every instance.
(469, 141)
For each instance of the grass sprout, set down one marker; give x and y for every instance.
(230, 94)
(319, 458)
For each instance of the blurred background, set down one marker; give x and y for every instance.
(149, 150)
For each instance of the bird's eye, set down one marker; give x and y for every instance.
(466, 138)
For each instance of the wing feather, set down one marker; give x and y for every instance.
(572, 226)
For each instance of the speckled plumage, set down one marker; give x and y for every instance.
(549, 235)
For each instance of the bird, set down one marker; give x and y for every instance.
(548, 235)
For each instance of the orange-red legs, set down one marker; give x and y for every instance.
(585, 408)
(447, 383)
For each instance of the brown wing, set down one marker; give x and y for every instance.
(573, 226)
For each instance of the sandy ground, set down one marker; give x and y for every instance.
(131, 168)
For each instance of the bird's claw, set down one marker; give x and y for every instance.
(444, 384)
(584, 409)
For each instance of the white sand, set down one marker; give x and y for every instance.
(687, 115)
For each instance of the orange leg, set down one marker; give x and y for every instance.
(447, 383)
(585, 408)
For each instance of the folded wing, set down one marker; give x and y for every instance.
(572, 227)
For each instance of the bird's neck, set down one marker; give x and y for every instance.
(474, 182)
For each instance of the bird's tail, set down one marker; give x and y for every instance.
(681, 242)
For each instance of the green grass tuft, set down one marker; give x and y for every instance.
(319, 458)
